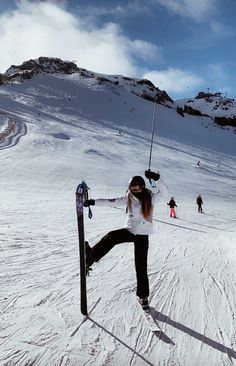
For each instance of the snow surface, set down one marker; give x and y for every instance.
(68, 131)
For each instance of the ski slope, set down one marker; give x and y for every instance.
(70, 134)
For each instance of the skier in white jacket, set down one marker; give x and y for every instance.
(140, 203)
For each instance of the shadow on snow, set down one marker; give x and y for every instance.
(201, 337)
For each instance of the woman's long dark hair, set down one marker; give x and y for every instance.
(145, 198)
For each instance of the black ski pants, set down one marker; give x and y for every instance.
(140, 254)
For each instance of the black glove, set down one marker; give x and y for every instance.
(152, 175)
(88, 203)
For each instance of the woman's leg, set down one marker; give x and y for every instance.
(140, 257)
(109, 241)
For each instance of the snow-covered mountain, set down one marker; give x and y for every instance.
(42, 65)
(219, 107)
(58, 127)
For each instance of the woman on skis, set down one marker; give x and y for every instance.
(140, 203)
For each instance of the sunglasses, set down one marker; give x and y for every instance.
(135, 188)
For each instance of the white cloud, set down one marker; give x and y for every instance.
(129, 9)
(46, 29)
(217, 71)
(198, 10)
(147, 51)
(221, 29)
(174, 80)
(220, 79)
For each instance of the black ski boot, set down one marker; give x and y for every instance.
(144, 303)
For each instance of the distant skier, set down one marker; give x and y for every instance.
(140, 203)
(199, 202)
(172, 205)
(198, 163)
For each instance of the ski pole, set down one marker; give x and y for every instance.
(153, 128)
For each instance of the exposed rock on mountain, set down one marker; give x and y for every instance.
(220, 108)
(213, 105)
(42, 64)
(141, 87)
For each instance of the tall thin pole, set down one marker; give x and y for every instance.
(153, 129)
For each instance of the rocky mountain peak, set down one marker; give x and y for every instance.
(47, 65)
(141, 87)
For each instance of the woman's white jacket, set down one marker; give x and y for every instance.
(135, 222)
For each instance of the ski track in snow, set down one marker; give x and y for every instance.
(191, 259)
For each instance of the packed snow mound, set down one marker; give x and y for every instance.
(11, 130)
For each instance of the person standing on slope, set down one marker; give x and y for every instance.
(199, 202)
(172, 205)
(140, 203)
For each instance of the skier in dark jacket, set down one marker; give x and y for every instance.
(140, 203)
(172, 205)
(199, 202)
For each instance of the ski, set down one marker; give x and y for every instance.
(81, 196)
(152, 324)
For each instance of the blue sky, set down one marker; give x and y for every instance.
(182, 46)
